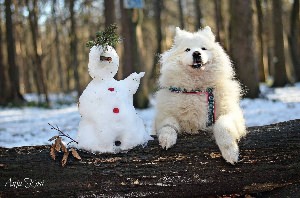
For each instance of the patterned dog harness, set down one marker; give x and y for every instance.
(209, 98)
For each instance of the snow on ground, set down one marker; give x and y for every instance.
(29, 125)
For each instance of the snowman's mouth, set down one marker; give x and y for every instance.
(104, 58)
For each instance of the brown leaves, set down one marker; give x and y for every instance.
(59, 146)
(75, 154)
(64, 159)
(52, 152)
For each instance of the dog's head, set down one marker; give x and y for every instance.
(196, 53)
(195, 49)
(103, 63)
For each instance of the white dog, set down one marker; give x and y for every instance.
(198, 92)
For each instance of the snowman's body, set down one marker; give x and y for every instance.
(106, 108)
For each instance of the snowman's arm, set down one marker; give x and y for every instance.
(133, 81)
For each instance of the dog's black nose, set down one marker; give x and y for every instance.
(196, 54)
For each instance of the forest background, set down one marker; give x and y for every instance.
(43, 43)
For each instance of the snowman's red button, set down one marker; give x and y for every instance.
(111, 89)
(116, 110)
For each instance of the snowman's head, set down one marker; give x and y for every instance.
(103, 64)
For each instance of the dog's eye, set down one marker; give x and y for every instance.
(187, 49)
(203, 48)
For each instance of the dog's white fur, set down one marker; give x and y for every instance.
(179, 113)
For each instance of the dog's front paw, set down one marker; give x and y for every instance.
(167, 137)
(230, 152)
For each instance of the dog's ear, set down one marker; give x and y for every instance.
(207, 32)
(178, 34)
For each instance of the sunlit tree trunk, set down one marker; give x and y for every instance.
(15, 95)
(294, 41)
(37, 48)
(280, 75)
(3, 79)
(133, 51)
(241, 46)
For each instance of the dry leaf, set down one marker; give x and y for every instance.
(63, 147)
(57, 144)
(215, 155)
(53, 138)
(52, 152)
(75, 154)
(65, 159)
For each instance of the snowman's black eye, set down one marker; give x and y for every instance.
(187, 49)
(203, 48)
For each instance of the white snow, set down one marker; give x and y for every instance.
(28, 126)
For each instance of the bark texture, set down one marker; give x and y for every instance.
(269, 166)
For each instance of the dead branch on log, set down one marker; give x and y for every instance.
(269, 166)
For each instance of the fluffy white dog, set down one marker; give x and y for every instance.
(199, 92)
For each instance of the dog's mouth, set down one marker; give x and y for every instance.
(197, 64)
(105, 58)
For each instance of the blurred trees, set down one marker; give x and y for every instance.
(294, 40)
(45, 41)
(242, 47)
(280, 74)
(13, 93)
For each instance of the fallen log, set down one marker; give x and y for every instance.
(269, 166)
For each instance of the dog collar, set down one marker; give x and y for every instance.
(209, 98)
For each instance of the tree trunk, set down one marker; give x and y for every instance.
(181, 15)
(133, 51)
(260, 18)
(3, 79)
(158, 7)
(109, 12)
(73, 47)
(280, 75)
(37, 49)
(198, 13)
(269, 166)
(15, 95)
(241, 46)
(294, 42)
(220, 34)
(57, 48)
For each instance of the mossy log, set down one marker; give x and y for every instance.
(269, 166)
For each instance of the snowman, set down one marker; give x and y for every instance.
(109, 122)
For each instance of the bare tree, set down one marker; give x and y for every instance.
(158, 6)
(15, 95)
(261, 68)
(198, 13)
(73, 46)
(280, 75)
(241, 46)
(32, 8)
(3, 78)
(109, 12)
(181, 15)
(57, 46)
(220, 34)
(294, 41)
(134, 51)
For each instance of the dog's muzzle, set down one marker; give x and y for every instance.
(197, 60)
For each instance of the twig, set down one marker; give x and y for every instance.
(62, 133)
